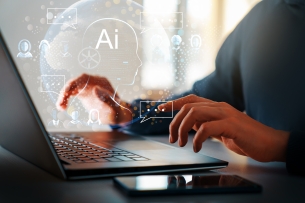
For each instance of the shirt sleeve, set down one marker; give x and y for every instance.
(295, 153)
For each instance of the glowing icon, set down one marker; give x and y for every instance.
(196, 41)
(89, 58)
(44, 47)
(75, 121)
(62, 16)
(151, 110)
(94, 117)
(65, 50)
(176, 40)
(24, 48)
(107, 41)
(55, 121)
(116, 55)
(52, 83)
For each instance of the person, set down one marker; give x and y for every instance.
(55, 122)
(259, 70)
(24, 48)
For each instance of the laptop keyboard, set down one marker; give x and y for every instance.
(81, 151)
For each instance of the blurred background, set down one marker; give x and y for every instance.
(212, 20)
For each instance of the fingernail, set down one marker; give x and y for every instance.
(195, 148)
(170, 139)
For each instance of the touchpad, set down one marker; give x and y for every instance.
(140, 145)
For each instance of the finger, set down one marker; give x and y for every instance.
(214, 128)
(76, 86)
(179, 103)
(197, 126)
(221, 129)
(198, 113)
(103, 94)
(171, 182)
(102, 83)
(70, 89)
(181, 182)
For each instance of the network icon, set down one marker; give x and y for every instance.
(89, 58)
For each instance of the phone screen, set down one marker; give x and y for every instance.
(207, 183)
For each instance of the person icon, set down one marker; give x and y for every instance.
(64, 53)
(75, 116)
(55, 122)
(24, 48)
(44, 47)
(176, 40)
(94, 117)
(196, 41)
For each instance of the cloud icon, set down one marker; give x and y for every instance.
(52, 83)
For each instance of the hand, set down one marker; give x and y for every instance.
(236, 130)
(96, 93)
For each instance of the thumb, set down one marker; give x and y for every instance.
(103, 94)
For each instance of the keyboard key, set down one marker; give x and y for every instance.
(90, 161)
(94, 157)
(80, 156)
(113, 159)
(101, 160)
(140, 159)
(126, 154)
(117, 150)
(133, 156)
(124, 158)
(105, 156)
(85, 158)
(113, 154)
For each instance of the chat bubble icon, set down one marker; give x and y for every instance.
(149, 109)
(62, 16)
(172, 20)
(52, 83)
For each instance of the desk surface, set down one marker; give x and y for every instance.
(21, 181)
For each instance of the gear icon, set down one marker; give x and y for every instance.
(89, 58)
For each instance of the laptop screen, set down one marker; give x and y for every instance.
(73, 56)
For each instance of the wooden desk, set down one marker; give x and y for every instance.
(23, 182)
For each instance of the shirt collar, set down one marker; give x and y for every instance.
(295, 2)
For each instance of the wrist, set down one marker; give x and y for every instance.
(280, 145)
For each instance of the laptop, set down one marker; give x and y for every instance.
(81, 155)
(26, 106)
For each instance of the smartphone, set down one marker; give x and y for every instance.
(184, 184)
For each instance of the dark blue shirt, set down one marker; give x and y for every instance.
(260, 69)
